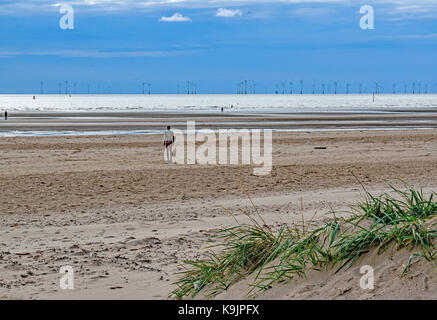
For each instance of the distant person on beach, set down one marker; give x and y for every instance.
(6, 115)
(169, 140)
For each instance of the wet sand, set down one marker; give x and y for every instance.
(93, 121)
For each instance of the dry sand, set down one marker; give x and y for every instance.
(110, 207)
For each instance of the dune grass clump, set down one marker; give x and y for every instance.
(407, 206)
(245, 249)
(400, 221)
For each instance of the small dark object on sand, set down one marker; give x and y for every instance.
(320, 148)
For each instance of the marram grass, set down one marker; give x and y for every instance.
(384, 222)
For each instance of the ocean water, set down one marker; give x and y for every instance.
(213, 103)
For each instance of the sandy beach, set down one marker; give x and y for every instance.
(112, 209)
(185, 152)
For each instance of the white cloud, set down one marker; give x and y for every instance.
(227, 13)
(429, 36)
(177, 17)
(396, 9)
(97, 54)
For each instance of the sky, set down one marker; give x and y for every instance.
(116, 46)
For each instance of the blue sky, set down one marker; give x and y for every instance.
(116, 45)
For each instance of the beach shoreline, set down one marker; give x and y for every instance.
(107, 123)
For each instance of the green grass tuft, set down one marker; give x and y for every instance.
(399, 221)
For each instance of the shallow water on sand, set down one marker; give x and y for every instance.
(49, 115)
